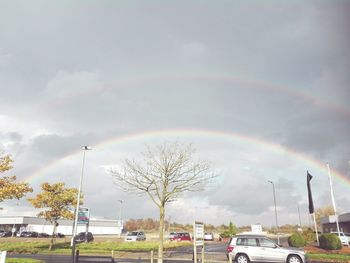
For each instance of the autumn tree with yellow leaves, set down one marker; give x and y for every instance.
(58, 203)
(9, 188)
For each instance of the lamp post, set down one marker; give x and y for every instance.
(84, 148)
(14, 225)
(274, 199)
(333, 200)
(120, 216)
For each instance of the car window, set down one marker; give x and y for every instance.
(251, 242)
(240, 241)
(246, 242)
(266, 243)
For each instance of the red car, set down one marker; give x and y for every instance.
(181, 237)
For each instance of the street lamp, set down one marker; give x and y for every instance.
(120, 209)
(120, 216)
(84, 148)
(14, 225)
(274, 199)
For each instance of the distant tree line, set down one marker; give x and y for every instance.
(150, 224)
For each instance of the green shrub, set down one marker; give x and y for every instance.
(296, 240)
(330, 242)
(225, 234)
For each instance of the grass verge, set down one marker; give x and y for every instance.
(98, 248)
(23, 260)
(328, 257)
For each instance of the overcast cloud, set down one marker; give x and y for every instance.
(76, 73)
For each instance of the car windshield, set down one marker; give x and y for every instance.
(132, 233)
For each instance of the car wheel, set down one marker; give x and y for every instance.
(294, 259)
(241, 258)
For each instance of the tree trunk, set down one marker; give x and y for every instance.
(52, 241)
(161, 233)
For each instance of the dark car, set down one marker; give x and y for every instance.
(82, 236)
(60, 235)
(5, 233)
(29, 234)
(43, 235)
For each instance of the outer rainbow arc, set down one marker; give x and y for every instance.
(198, 133)
(258, 84)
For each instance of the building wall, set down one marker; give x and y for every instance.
(329, 223)
(97, 226)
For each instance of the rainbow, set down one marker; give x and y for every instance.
(197, 133)
(232, 81)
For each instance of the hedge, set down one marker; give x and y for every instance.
(296, 240)
(330, 242)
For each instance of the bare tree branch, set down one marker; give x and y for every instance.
(165, 172)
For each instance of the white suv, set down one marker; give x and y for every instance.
(246, 248)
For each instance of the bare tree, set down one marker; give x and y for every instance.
(164, 173)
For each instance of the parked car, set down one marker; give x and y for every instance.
(135, 236)
(344, 239)
(172, 235)
(60, 235)
(5, 233)
(28, 234)
(258, 248)
(208, 237)
(81, 237)
(184, 236)
(43, 235)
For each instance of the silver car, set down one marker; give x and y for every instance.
(135, 236)
(246, 248)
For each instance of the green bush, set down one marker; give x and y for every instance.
(225, 234)
(330, 242)
(296, 240)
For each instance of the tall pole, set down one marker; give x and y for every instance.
(84, 148)
(333, 201)
(299, 216)
(120, 217)
(274, 199)
(14, 225)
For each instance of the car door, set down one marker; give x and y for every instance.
(270, 252)
(249, 246)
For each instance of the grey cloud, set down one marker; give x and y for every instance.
(73, 73)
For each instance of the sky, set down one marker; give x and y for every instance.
(261, 89)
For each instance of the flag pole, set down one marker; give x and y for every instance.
(318, 242)
(311, 203)
(333, 200)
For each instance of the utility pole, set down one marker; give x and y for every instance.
(274, 199)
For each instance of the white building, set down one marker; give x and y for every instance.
(27, 223)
